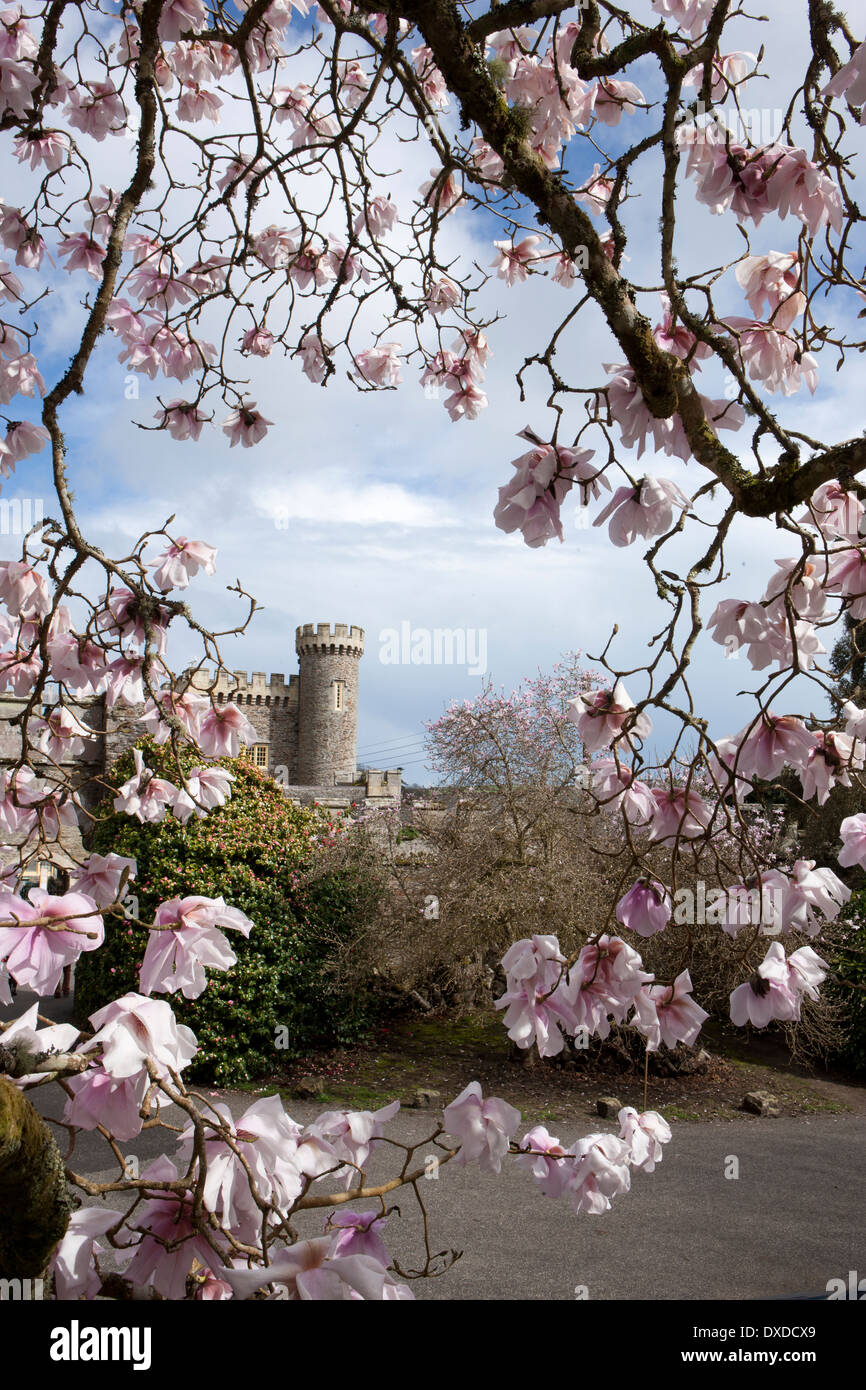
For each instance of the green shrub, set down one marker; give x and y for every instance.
(259, 853)
(849, 964)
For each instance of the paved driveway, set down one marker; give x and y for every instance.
(792, 1220)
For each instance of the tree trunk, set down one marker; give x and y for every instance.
(34, 1200)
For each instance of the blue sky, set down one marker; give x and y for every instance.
(377, 510)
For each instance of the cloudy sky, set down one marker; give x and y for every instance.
(376, 509)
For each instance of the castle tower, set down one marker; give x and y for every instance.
(328, 702)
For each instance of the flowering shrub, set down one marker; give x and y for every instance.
(255, 851)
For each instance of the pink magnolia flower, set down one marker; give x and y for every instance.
(603, 984)
(377, 216)
(668, 1014)
(359, 1234)
(51, 148)
(853, 833)
(100, 877)
(124, 681)
(773, 358)
(441, 296)
(24, 1037)
(121, 613)
(727, 71)
(207, 787)
(188, 708)
(616, 787)
(836, 512)
(802, 582)
(245, 425)
(677, 339)
(632, 415)
(432, 82)
(223, 731)
(96, 109)
(467, 401)
(534, 1004)
(806, 971)
(312, 354)
(145, 796)
(23, 439)
(798, 186)
(850, 81)
(189, 940)
(23, 591)
(352, 1134)
(258, 341)
(78, 663)
(762, 905)
(773, 280)
(646, 908)
(181, 561)
(180, 17)
(309, 1270)
(513, 261)
(614, 99)
(45, 933)
(380, 366)
(11, 288)
(848, 575)
(60, 734)
(182, 419)
(602, 715)
(72, 1264)
(483, 1128)
(833, 756)
(692, 16)
(600, 1171)
(810, 892)
(596, 193)
(679, 812)
(83, 253)
(442, 192)
(354, 84)
(166, 1252)
(855, 720)
(768, 994)
(198, 104)
(644, 1133)
(546, 1159)
(646, 510)
(266, 1140)
(134, 1029)
(775, 741)
(100, 1099)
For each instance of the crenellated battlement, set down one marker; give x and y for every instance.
(337, 639)
(236, 687)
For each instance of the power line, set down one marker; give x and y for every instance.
(390, 752)
(393, 743)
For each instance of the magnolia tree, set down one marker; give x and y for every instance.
(248, 216)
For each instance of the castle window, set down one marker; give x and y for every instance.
(260, 754)
(339, 694)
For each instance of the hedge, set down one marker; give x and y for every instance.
(282, 997)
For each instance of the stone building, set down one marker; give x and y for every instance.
(307, 727)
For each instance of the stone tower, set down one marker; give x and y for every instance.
(328, 702)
